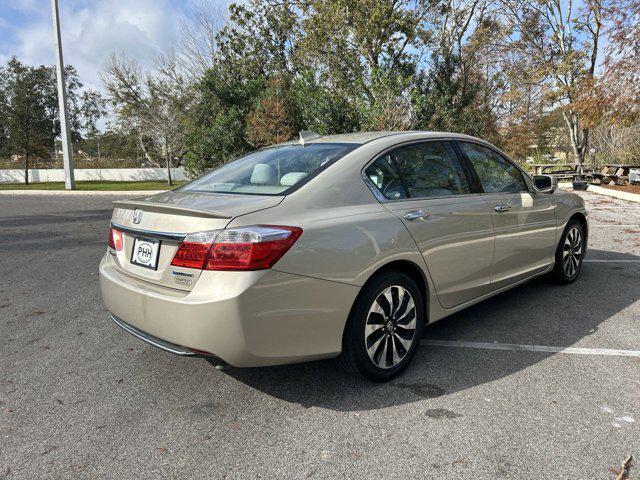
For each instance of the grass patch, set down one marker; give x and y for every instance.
(92, 186)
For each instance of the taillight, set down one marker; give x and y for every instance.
(194, 249)
(115, 239)
(248, 248)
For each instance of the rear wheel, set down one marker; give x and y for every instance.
(570, 253)
(384, 328)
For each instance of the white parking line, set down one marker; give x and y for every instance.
(595, 260)
(513, 347)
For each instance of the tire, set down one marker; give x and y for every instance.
(570, 254)
(374, 322)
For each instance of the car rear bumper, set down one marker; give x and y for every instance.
(151, 340)
(245, 318)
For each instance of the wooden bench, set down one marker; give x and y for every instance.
(562, 171)
(616, 173)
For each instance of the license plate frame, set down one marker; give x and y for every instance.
(138, 255)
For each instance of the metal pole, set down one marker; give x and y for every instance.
(67, 152)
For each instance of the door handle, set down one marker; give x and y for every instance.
(501, 207)
(414, 215)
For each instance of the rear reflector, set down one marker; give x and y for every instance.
(248, 248)
(115, 239)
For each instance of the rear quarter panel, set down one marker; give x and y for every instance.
(342, 244)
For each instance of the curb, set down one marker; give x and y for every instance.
(133, 193)
(630, 197)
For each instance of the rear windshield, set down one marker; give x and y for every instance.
(271, 171)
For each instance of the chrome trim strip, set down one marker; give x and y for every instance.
(178, 237)
(151, 340)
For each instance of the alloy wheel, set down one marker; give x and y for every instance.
(391, 327)
(572, 252)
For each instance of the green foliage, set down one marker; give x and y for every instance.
(320, 110)
(330, 66)
(444, 101)
(217, 124)
(29, 110)
(217, 142)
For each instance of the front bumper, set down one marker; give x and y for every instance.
(245, 318)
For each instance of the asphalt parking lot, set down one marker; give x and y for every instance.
(79, 398)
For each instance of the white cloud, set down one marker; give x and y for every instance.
(91, 31)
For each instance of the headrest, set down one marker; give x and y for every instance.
(263, 174)
(292, 178)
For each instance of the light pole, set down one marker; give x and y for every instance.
(67, 152)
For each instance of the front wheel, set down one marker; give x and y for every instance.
(570, 253)
(384, 328)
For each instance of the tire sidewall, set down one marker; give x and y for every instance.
(560, 273)
(355, 341)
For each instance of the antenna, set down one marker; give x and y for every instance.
(306, 135)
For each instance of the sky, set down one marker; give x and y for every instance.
(91, 31)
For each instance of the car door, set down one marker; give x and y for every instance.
(524, 220)
(428, 188)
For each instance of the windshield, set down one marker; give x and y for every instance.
(271, 171)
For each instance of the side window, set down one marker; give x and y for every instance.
(430, 169)
(496, 173)
(385, 177)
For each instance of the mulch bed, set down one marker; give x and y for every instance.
(624, 188)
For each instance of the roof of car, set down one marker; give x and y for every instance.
(365, 137)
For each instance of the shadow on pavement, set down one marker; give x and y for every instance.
(538, 312)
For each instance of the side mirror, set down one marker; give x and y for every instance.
(545, 183)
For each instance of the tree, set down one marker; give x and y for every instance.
(4, 108)
(317, 108)
(271, 121)
(154, 105)
(444, 100)
(198, 44)
(336, 66)
(614, 96)
(29, 116)
(90, 107)
(367, 51)
(561, 40)
(29, 102)
(252, 51)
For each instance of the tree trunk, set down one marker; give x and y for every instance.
(579, 154)
(146, 153)
(169, 182)
(26, 169)
(579, 140)
(583, 150)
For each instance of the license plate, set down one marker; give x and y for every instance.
(145, 252)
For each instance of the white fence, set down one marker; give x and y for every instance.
(84, 174)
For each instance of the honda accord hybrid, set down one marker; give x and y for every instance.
(335, 246)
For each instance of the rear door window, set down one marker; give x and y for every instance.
(386, 179)
(421, 170)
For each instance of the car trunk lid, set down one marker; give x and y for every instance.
(153, 227)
